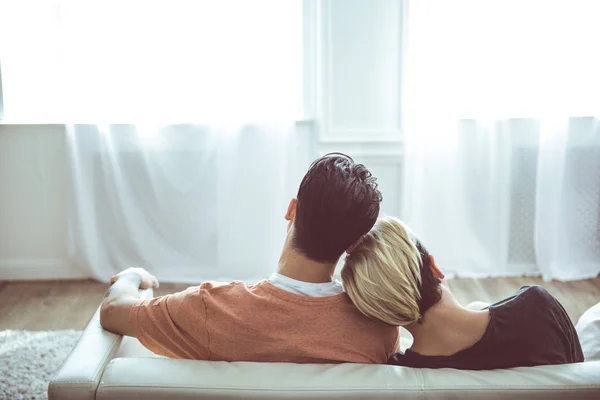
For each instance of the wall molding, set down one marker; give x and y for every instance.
(321, 50)
(39, 269)
(383, 150)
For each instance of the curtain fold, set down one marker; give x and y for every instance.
(188, 202)
(514, 197)
(567, 220)
(502, 167)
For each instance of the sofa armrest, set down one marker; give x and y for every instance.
(80, 373)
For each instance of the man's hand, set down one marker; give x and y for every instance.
(148, 280)
(121, 296)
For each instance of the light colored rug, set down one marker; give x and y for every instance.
(28, 360)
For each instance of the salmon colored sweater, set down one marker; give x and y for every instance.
(239, 322)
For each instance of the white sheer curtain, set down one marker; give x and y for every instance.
(189, 202)
(503, 136)
(183, 148)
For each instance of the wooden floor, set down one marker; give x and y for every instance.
(52, 305)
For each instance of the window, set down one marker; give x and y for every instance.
(503, 59)
(132, 60)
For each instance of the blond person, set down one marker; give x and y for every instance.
(391, 277)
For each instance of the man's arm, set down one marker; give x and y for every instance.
(121, 296)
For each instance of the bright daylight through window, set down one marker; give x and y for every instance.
(131, 61)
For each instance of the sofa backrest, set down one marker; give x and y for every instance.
(161, 378)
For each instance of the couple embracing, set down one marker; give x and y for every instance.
(302, 315)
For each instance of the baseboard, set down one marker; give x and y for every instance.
(39, 269)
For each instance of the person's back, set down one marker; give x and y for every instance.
(261, 322)
(526, 329)
(338, 202)
(392, 277)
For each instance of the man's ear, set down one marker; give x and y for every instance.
(354, 245)
(291, 211)
(436, 271)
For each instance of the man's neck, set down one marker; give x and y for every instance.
(447, 327)
(295, 265)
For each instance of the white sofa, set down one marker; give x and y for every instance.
(103, 365)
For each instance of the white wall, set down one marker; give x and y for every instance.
(33, 202)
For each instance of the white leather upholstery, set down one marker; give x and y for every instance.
(79, 376)
(131, 347)
(588, 330)
(183, 379)
(137, 373)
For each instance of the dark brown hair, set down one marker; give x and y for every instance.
(338, 202)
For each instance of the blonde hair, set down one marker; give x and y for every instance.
(382, 275)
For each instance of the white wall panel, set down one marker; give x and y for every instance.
(385, 161)
(389, 177)
(360, 69)
(33, 202)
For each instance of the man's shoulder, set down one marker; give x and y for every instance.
(208, 285)
(226, 288)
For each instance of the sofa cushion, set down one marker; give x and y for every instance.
(588, 330)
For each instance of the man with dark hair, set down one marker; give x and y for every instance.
(300, 314)
(338, 202)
